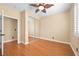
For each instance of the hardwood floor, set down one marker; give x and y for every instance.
(37, 48)
(32, 39)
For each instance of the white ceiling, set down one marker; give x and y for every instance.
(58, 7)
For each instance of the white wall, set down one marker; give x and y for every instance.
(57, 26)
(9, 11)
(24, 27)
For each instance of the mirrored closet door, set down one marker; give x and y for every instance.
(33, 28)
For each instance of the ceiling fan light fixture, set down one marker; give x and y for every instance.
(41, 7)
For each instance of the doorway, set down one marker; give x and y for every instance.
(10, 30)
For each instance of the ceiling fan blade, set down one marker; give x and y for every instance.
(48, 5)
(34, 5)
(36, 10)
(41, 4)
(43, 10)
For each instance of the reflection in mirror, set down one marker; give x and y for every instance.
(33, 28)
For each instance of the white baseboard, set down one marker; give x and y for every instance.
(33, 36)
(24, 43)
(9, 40)
(59, 42)
(73, 50)
(52, 40)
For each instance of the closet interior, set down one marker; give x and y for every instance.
(8, 31)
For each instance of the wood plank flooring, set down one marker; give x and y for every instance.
(32, 39)
(37, 47)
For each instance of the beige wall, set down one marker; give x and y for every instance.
(16, 14)
(24, 27)
(22, 20)
(9, 11)
(74, 38)
(56, 25)
(9, 29)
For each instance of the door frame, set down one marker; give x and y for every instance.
(18, 29)
(2, 13)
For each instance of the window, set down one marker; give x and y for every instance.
(76, 20)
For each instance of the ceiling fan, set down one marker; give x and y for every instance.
(41, 7)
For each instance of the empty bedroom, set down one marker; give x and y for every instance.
(40, 29)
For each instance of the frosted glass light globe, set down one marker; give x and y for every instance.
(41, 7)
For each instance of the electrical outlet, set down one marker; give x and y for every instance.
(77, 49)
(15, 29)
(52, 37)
(12, 37)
